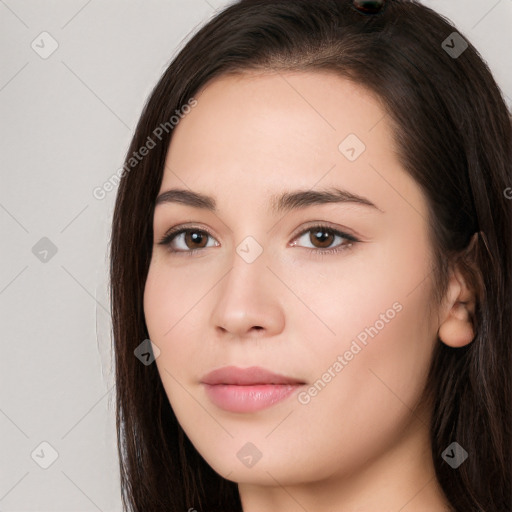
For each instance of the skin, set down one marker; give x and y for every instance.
(361, 444)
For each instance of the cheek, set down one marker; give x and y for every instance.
(162, 309)
(390, 346)
(174, 312)
(387, 361)
(158, 311)
(385, 328)
(359, 404)
(169, 299)
(356, 408)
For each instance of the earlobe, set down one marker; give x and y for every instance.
(457, 329)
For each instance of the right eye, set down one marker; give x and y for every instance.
(186, 240)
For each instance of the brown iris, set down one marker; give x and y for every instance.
(196, 237)
(322, 236)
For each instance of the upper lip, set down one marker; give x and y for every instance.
(246, 377)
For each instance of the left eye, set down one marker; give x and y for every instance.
(323, 237)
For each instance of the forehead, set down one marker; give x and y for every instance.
(264, 133)
(280, 110)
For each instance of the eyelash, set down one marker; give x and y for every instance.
(173, 233)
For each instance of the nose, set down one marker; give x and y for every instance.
(247, 304)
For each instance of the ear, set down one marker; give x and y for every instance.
(457, 328)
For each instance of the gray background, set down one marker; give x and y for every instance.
(66, 123)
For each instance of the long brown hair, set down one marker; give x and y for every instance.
(453, 132)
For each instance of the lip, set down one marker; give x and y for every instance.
(247, 389)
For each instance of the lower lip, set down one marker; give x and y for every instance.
(248, 398)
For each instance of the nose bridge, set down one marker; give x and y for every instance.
(246, 299)
(248, 275)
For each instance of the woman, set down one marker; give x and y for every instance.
(313, 230)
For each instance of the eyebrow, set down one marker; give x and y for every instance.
(285, 202)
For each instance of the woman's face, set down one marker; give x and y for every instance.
(346, 320)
